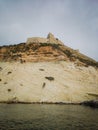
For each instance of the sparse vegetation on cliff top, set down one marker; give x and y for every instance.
(44, 52)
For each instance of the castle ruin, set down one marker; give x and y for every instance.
(50, 39)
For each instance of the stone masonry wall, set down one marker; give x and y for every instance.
(50, 39)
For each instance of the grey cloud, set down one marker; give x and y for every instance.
(72, 21)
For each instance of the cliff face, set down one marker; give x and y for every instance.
(46, 72)
(57, 81)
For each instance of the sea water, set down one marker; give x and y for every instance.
(47, 117)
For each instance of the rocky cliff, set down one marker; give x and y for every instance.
(46, 72)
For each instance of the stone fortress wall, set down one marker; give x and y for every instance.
(50, 39)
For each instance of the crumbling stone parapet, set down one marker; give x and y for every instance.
(50, 39)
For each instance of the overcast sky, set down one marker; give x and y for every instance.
(75, 22)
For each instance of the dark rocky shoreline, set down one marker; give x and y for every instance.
(91, 103)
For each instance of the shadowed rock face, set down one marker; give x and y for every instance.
(92, 103)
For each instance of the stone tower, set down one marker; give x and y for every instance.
(50, 39)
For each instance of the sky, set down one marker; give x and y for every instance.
(74, 22)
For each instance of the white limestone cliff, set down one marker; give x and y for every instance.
(49, 82)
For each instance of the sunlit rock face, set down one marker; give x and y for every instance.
(45, 70)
